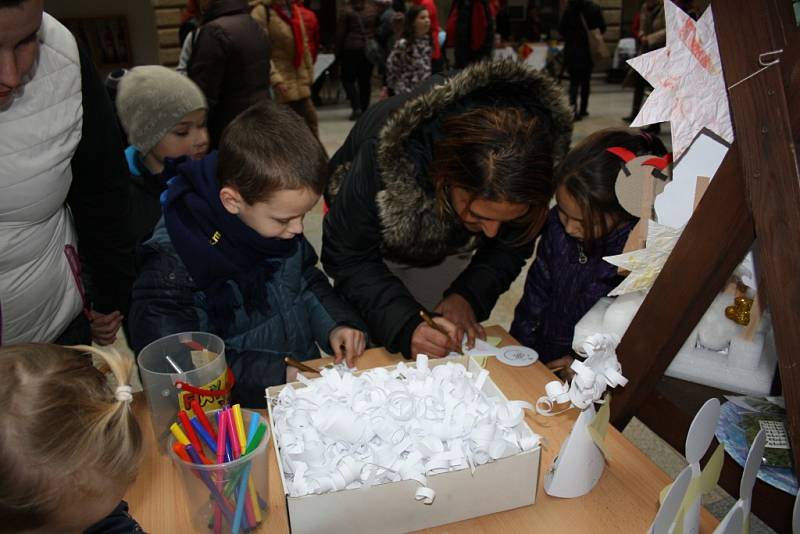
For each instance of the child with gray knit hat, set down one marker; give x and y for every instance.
(164, 115)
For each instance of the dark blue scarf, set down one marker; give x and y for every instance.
(215, 245)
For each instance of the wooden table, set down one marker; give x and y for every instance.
(625, 500)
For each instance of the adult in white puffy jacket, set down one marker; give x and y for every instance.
(64, 189)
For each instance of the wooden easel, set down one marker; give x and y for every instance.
(756, 192)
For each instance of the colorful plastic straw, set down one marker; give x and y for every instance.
(203, 433)
(236, 430)
(215, 493)
(187, 428)
(242, 499)
(239, 423)
(180, 437)
(222, 426)
(220, 459)
(232, 438)
(251, 446)
(201, 416)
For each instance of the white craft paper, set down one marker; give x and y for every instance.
(345, 431)
(645, 264)
(580, 462)
(699, 437)
(686, 74)
(392, 508)
(674, 205)
(665, 518)
(733, 522)
(750, 472)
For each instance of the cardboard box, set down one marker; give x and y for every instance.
(387, 508)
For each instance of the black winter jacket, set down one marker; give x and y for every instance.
(230, 63)
(382, 202)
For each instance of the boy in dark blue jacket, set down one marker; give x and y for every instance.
(229, 256)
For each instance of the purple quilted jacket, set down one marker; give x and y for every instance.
(562, 284)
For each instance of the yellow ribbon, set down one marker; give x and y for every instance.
(598, 428)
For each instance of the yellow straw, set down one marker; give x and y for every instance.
(179, 435)
(239, 424)
(253, 500)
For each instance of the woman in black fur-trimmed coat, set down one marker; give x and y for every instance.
(462, 164)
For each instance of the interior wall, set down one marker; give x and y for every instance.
(141, 21)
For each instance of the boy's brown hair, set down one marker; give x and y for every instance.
(268, 148)
(66, 437)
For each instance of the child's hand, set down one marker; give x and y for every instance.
(105, 327)
(561, 367)
(348, 344)
(459, 312)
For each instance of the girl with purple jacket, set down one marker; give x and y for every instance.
(569, 275)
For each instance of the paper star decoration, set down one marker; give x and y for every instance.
(686, 75)
(645, 264)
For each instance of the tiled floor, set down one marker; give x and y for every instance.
(608, 104)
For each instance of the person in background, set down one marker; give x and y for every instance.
(390, 29)
(578, 19)
(651, 35)
(230, 61)
(292, 67)
(75, 446)
(470, 30)
(65, 203)
(229, 256)
(357, 24)
(164, 115)
(533, 24)
(569, 274)
(437, 59)
(312, 29)
(410, 60)
(187, 34)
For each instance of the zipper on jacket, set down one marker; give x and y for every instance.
(582, 258)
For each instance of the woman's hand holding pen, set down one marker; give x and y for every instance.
(435, 337)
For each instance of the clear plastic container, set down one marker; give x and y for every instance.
(230, 488)
(201, 358)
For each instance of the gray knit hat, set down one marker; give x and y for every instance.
(151, 100)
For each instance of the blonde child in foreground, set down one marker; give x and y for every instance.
(70, 445)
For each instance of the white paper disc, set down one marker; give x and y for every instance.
(517, 356)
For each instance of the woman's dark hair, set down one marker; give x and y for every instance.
(268, 148)
(589, 174)
(399, 6)
(411, 17)
(496, 154)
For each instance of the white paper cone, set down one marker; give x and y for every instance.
(579, 463)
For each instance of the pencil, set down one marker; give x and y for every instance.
(303, 367)
(430, 322)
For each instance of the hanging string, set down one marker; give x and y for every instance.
(762, 60)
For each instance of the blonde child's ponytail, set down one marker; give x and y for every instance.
(68, 437)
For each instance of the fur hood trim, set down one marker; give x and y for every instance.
(411, 227)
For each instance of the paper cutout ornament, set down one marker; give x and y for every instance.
(640, 179)
(581, 458)
(672, 498)
(686, 75)
(749, 474)
(733, 522)
(699, 437)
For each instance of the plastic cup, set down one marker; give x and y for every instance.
(228, 477)
(201, 357)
